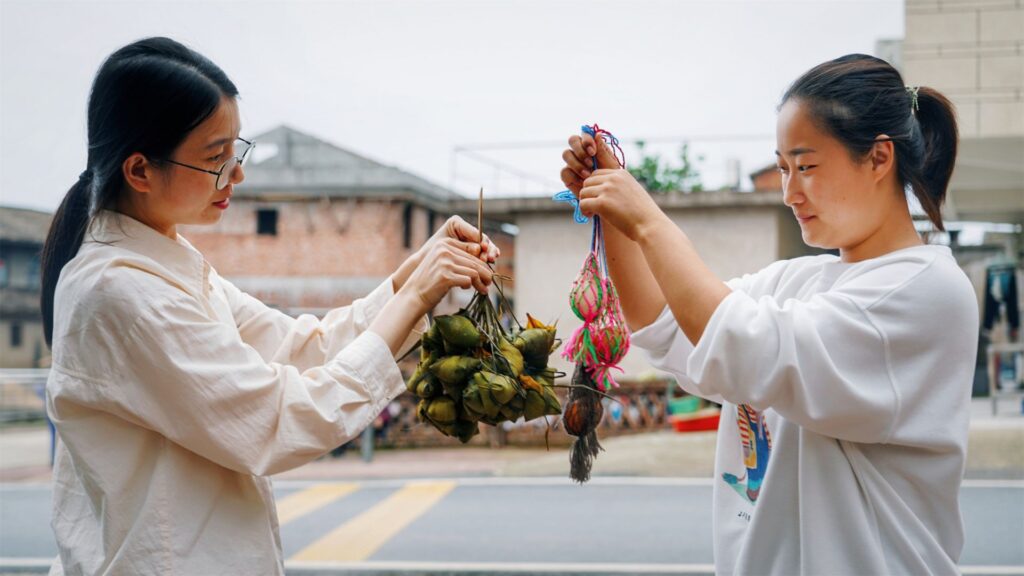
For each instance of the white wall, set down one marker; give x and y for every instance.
(973, 51)
(550, 249)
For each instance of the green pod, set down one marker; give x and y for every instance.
(513, 356)
(413, 382)
(432, 342)
(535, 405)
(441, 410)
(553, 407)
(446, 429)
(428, 387)
(536, 345)
(458, 332)
(510, 413)
(421, 411)
(467, 413)
(455, 371)
(493, 420)
(501, 389)
(428, 357)
(465, 430)
(518, 403)
(472, 401)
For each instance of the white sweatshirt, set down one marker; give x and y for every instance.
(846, 393)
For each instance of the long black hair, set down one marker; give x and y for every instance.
(145, 98)
(857, 98)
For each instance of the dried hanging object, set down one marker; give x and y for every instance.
(600, 343)
(581, 416)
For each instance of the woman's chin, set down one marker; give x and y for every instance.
(816, 241)
(208, 217)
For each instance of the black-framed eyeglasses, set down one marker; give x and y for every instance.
(224, 174)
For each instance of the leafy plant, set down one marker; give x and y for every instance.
(660, 178)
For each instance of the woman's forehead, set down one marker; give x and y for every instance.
(221, 127)
(796, 131)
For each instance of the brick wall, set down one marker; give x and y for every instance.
(324, 254)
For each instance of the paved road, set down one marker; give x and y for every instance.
(536, 526)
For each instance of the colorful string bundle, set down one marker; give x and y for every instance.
(603, 339)
(600, 343)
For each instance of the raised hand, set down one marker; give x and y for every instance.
(445, 264)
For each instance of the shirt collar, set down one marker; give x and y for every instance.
(179, 259)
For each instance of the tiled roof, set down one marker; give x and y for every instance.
(287, 162)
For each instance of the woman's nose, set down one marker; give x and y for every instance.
(791, 192)
(237, 175)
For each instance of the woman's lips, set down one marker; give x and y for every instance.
(223, 204)
(804, 219)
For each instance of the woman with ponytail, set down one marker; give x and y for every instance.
(845, 381)
(173, 393)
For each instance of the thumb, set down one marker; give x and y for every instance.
(605, 155)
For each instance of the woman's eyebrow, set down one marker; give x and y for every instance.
(218, 142)
(797, 151)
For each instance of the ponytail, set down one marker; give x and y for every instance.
(62, 243)
(936, 119)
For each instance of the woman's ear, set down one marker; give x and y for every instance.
(138, 172)
(882, 157)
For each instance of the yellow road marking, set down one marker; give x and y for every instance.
(360, 537)
(306, 501)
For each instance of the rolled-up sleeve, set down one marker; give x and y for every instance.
(193, 380)
(306, 341)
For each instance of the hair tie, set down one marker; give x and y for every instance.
(85, 176)
(912, 90)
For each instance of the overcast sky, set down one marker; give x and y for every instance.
(405, 83)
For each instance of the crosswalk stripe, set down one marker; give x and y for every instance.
(361, 537)
(310, 499)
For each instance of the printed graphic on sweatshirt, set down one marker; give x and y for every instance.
(757, 448)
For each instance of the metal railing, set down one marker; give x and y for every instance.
(22, 394)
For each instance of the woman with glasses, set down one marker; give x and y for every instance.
(173, 393)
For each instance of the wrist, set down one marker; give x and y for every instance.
(408, 298)
(652, 230)
(404, 272)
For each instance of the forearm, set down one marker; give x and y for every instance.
(639, 293)
(692, 290)
(398, 318)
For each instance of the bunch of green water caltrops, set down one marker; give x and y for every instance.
(472, 370)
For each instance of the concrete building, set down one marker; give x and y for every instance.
(973, 51)
(22, 234)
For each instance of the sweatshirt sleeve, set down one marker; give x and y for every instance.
(668, 349)
(306, 341)
(821, 363)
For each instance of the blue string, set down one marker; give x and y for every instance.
(568, 197)
(597, 233)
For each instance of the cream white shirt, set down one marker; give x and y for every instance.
(846, 397)
(174, 395)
